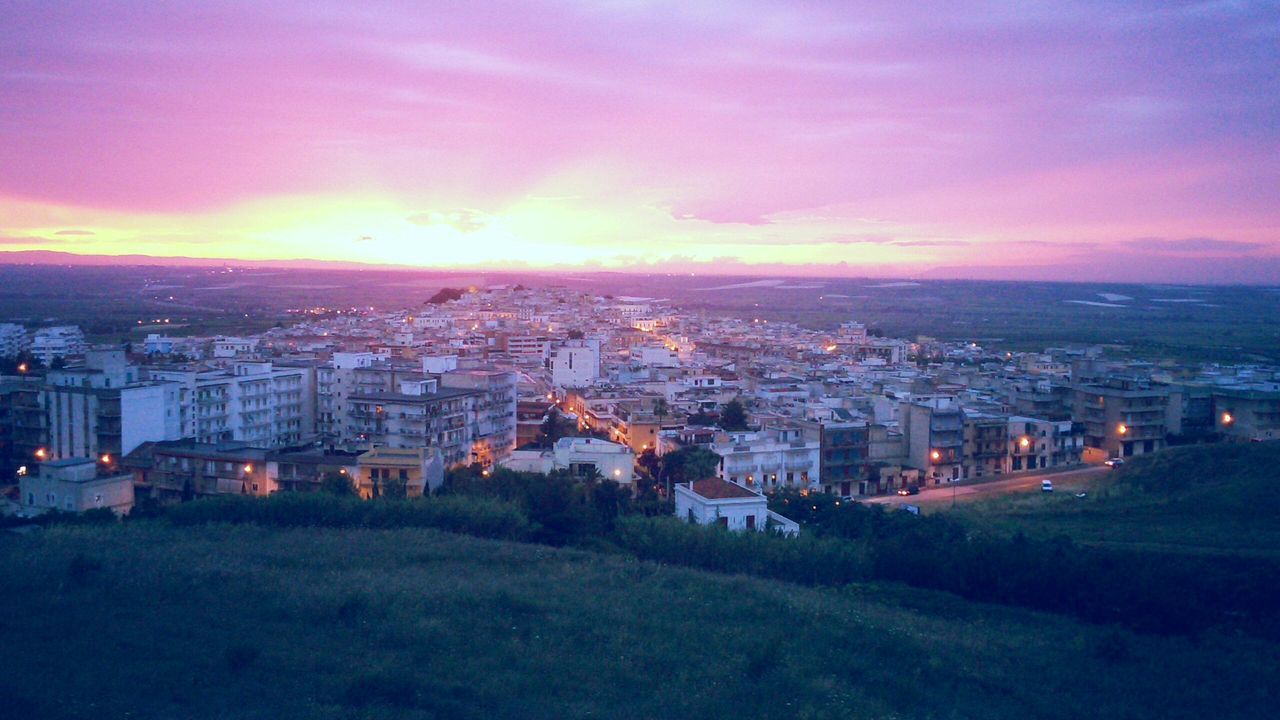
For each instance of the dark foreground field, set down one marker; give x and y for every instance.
(147, 620)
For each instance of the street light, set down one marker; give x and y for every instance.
(935, 455)
(42, 454)
(1123, 429)
(1227, 419)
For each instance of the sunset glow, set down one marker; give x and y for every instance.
(1051, 140)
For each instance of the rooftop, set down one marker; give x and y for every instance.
(717, 489)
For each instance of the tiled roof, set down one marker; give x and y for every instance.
(717, 489)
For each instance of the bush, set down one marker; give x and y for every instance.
(473, 516)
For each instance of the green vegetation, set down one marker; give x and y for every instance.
(1205, 500)
(147, 619)
(733, 416)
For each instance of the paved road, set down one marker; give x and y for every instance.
(1063, 481)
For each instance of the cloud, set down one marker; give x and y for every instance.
(1191, 245)
(75, 232)
(463, 220)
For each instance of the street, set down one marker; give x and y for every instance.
(1063, 481)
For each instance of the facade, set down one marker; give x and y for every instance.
(1036, 444)
(986, 445)
(383, 471)
(76, 485)
(13, 339)
(769, 459)
(844, 465)
(181, 470)
(1244, 414)
(254, 402)
(52, 343)
(1123, 416)
(933, 433)
(104, 409)
(575, 364)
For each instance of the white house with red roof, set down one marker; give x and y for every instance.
(715, 501)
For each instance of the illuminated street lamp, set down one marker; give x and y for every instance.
(42, 454)
(1227, 419)
(1025, 442)
(22, 368)
(248, 468)
(105, 459)
(1123, 429)
(935, 455)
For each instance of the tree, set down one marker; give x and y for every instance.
(554, 427)
(733, 416)
(337, 483)
(661, 409)
(700, 418)
(445, 295)
(575, 335)
(688, 464)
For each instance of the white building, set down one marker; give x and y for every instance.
(714, 501)
(57, 342)
(13, 339)
(231, 347)
(74, 485)
(769, 459)
(576, 364)
(579, 456)
(103, 408)
(260, 403)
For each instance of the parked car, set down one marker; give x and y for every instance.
(1114, 462)
(909, 490)
(1046, 486)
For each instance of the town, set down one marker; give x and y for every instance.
(551, 379)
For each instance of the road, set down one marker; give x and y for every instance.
(1063, 481)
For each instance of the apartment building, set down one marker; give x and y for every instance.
(1248, 413)
(1125, 416)
(260, 403)
(575, 364)
(52, 343)
(13, 339)
(181, 470)
(986, 444)
(769, 459)
(933, 435)
(1036, 444)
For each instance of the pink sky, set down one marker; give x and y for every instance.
(1058, 139)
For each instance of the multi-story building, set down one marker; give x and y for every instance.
(491, 411)
(933, 434)
(844, 460)
(1036, 444)
(1248, 413)
(1124, 416)
(180, 470)
(13, 339)
(575, 364)
(259, 403)
(103, 408)
(986, 445)
(769, 459)
(57, 342)
(386, 471)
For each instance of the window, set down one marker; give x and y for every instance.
(751, 522)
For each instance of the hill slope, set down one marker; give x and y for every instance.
(248, 622)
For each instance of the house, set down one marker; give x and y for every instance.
(75, 485)
(714, 501)
(580, 456)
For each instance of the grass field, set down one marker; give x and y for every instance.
(1205, 499)
(148, 620)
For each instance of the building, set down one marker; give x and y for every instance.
(398, 471)
(420, 414)
(769, 459)
(715, 501)
(1248, 413)
(102, 408)
(76, 485)
(490, 411)
(258, 403)
(52, 343)
(1036, 444)
(986, 444)
(575, 364)
(1125, 416)
(844, 458)
(181, 470)
(13, 340)
(933, 438)
(580, 456)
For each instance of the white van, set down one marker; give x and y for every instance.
(1046, 486)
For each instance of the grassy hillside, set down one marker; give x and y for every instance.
(150, 620)
(1201, 499)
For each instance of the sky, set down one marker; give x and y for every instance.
(1017, 140)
